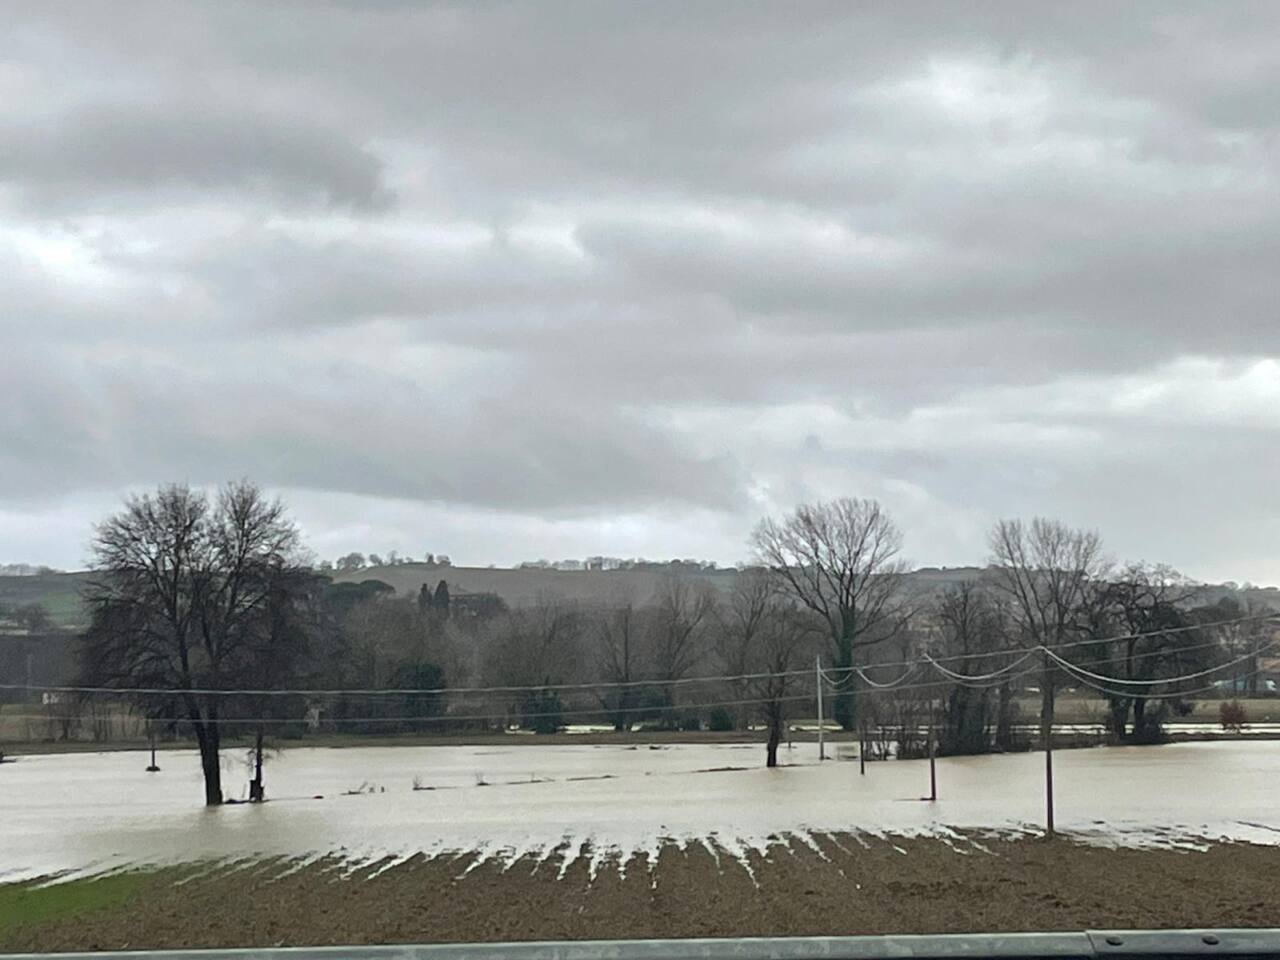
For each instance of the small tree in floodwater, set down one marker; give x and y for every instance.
(184, 598)
(781, 640)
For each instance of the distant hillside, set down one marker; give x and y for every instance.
(524, 586)
(519, 587)
(58, 593)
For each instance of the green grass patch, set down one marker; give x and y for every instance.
(26, 904)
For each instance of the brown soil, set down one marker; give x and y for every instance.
(843, 884)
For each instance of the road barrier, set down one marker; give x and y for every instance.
(1082, 945)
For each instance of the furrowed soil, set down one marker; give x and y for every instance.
(819, 884)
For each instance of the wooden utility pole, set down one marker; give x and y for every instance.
(1046, 741)
(822, 750)
(862, 745)
(933, 768)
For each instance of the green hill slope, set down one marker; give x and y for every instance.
(58, 593)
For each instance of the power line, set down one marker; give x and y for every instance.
(988, 681)
(1010, 651)
(892, 684)
(393, 691)
(1028, 651)
(1076, 670)
(625, 684)
(597, 711)
(601, 711)
(978, 677)
(962, 678)
(1171, 695)
(979, 680)
(946, 682)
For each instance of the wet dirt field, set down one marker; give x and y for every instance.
(824, 883)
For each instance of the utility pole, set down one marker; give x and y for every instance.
(822, 749)
(862, 745)
(933, 750)
(1046, 739)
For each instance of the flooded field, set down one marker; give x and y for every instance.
(90, 812)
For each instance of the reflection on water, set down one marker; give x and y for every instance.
(93, 811)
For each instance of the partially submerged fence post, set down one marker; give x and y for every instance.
(151, 735)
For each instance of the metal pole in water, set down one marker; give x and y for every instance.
(862, 747)
(933, 750)
(1046, 735)
(822, 749)
(151, 735)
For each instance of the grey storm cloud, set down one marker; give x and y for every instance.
(104, 151)
(625, 277)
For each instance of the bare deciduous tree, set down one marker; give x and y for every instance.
(682, 608)
(537, 647)
(618, 646)
(181, 592)
(971, 624)
(783, 646)
(839, 559)
(1243, 639)
(740, 622)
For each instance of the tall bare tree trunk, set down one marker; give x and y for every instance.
(206, 730)
(210, 763)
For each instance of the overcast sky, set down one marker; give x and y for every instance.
(556, 279)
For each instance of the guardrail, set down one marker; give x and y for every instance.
(1083, 945)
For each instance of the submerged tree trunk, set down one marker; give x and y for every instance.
(207, 738)
(1120, 718)
(775, 734)
(256, 793)
(210, 763)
